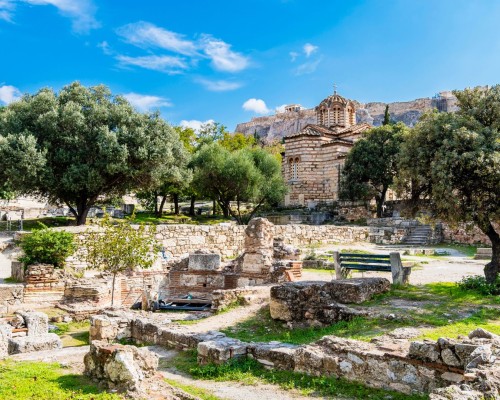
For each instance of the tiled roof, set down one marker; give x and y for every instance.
(355, 128)
(345, 142)
(319, 130)
(313, 130)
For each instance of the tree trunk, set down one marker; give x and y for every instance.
(156, 204)
(113, 290)
(214, 208)
(191, 206)
(159, 213)
(175, 197)
(492, 269)
(82, 212)
(380, 200)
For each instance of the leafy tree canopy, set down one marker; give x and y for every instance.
(371, 165)
(237, 141)
(453, 160)
(82, 143)
(249, 174)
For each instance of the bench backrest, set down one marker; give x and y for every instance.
(365, 262)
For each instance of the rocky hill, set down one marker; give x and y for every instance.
(282, 124)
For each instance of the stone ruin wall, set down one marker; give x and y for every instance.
(228, 239)
(416, 367)
(466, 233)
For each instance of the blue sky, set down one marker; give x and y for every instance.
(229, 61)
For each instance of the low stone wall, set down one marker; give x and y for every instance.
(43, 284)
(465, 233)
(228, 239)
(417, 370)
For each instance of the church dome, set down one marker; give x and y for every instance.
(336, 112)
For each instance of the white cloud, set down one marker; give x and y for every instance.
(223, 58)
(280, 109)
(220, 85)
(309, 49)
(144, 34)
(80, 11)
(168, 64)
(6, 10)
(8, 94)
(293, 55)
(195, 124)
(307, 68)
(257, 106)
(146, 102)
(105, 47)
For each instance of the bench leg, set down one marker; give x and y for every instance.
(396, 269)
(336, 263)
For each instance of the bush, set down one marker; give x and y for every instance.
(479, 284)
(47, 246)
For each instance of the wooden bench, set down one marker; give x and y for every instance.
(346, 262)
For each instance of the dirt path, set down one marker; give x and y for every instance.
(229, 390)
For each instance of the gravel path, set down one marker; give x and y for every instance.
(230, 390)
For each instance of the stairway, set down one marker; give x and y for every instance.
(419, 236)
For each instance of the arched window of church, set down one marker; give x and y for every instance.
(336, 115)
(351, 117)
(296, 169)
(290, 168)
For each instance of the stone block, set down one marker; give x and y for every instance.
(118, 366)
(357, 291)
(425, 351)
(5, 336)
(221, 350)
(204, 262)
(28, 344)
(317, 302)
(36, 322)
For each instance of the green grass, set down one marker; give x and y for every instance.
(250, 372)
(36, 380)
(151, 218)
(73, 334)
(436, 306)
(485, 318)
(30, 224)
(262, 328)
(192, 390)
(10, 279)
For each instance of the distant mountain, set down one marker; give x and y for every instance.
(285, 123)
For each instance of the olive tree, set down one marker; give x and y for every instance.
(452, 161)
(80, 144)
(245, 175)
(371, 165)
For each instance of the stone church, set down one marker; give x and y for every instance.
(314, 156)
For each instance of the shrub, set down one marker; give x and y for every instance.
(47, 246)
(479, 284)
